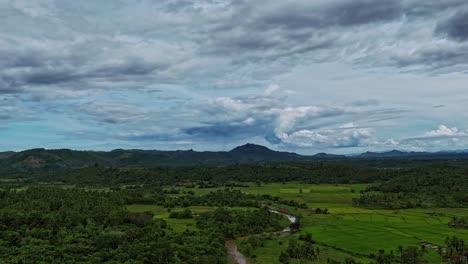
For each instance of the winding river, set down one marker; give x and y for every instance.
(235, 257)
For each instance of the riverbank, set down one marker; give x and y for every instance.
(233, 254)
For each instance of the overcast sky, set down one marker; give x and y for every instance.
(338, 76)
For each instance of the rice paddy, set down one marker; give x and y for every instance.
(347, 231)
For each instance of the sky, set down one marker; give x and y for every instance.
(336, 76)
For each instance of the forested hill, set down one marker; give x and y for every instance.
(42, 159)
(49, 160)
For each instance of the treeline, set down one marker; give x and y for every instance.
(58, 225)
(444, 186)
(404, 178)
(320, 172)
(455, 252)
(226, 197)
(55, 225)
(231, 223)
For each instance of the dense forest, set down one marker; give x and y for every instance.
(278, 172)
(320, 172)
(57, 225)
(444, 186)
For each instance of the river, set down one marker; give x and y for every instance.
(235, 257)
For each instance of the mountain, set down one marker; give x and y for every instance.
(252, 149)
(48, 160)
(328, 156)
(6, 154)
(51, 160)
(251, 153)
(390, 154)
(396, 154)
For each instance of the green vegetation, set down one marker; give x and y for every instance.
(57, 225)
(349, 231)
(303, 252)
(459, 222)
(443, 186)
(234, 223)
(344, 212)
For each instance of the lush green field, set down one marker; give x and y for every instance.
(363, 231)
(347, 231)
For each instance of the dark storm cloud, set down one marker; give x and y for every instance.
(131, 66)
(365, 11)
(343, 13)
(222, 131)
(324, 31)
(272, 31)
(33, 69)
(112, 113)
(420, 8)
(7, 86)
(9, 108)
(238, 32)
(19, 68)
(455, 27)
(436, 60)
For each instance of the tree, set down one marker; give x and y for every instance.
(456, 250)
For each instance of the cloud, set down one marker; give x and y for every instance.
(444, 131)
(416, 8)
(325, 139)
(449, 138)
(272, 119)
(132, 65)
(369, 102)
(455, 27)
(271, 89)
(274, 30)
(266, 117)
(439, 106)
(7, 109)
(347, 13)
(202, 43)
(219, 68)
(438, 57)
(112, 112)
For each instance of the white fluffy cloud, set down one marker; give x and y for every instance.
(445, 131)
(279, 123)
(333, 138)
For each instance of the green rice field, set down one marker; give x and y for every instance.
(347, 231)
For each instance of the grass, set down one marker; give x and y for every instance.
(271, 250)
(178, 225)
(347, 231)
(160, 212)
(350, 231)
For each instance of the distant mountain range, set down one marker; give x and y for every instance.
(459, 154)
(42, 159)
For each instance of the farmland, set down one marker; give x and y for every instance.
(347, 231)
